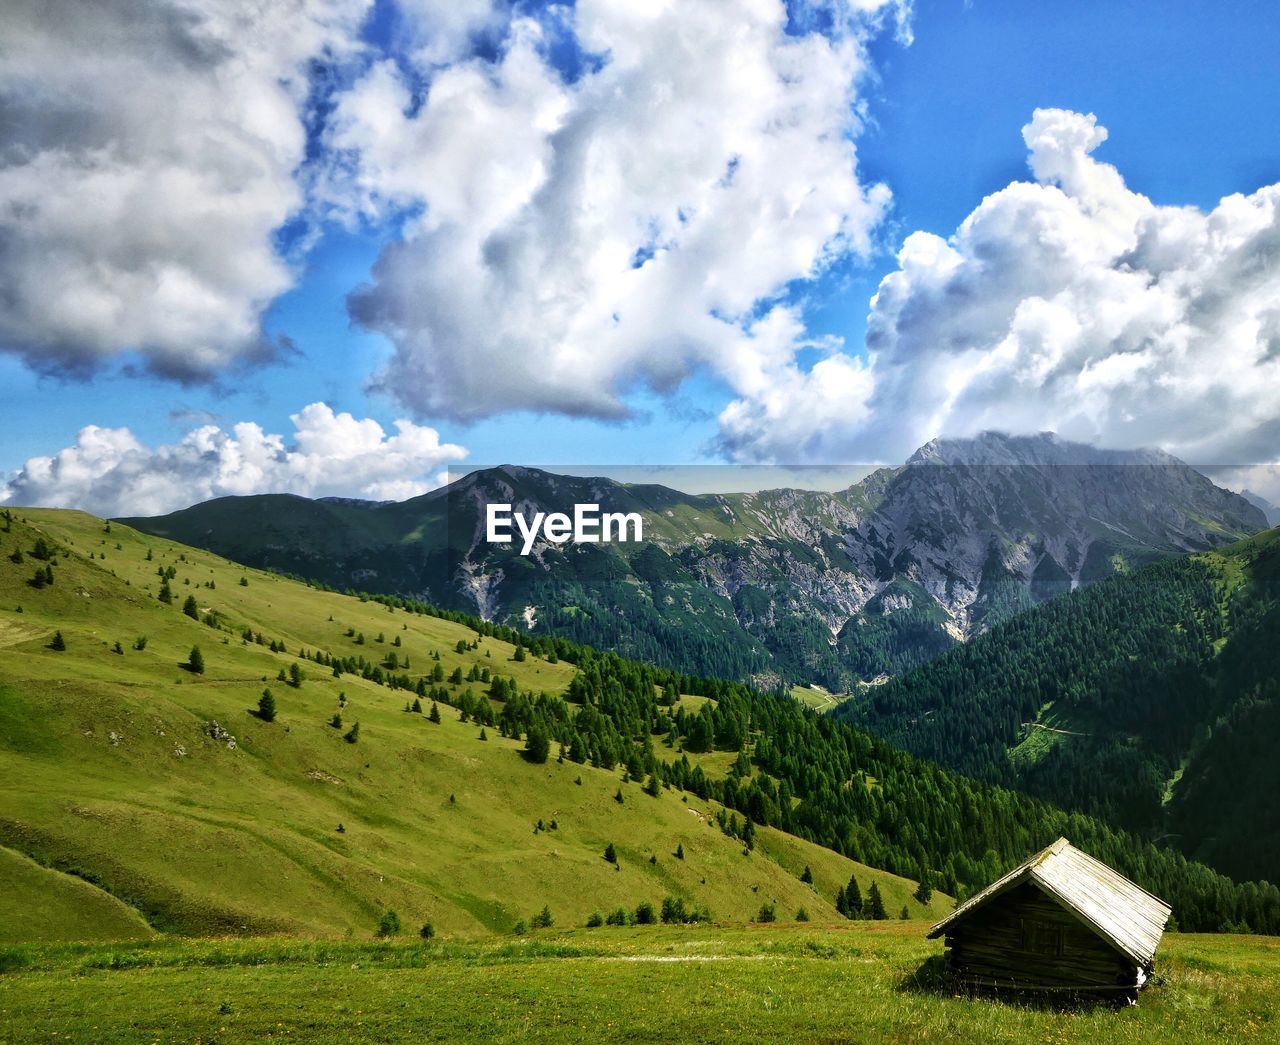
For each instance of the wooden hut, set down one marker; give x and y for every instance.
(1062, 922)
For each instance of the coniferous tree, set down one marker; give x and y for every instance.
(195, 661)
(267, 706)
(537, 747)
(853, 898)
(806, 875)
(191, 608)
(434, 716)
(58, 643)
(875, 903)
(924, 891)
(610, 853)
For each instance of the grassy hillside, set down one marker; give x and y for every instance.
(122, 813)
(854, 982)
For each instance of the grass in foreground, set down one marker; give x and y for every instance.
(744, 983)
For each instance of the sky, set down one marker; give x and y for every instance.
(344, 246)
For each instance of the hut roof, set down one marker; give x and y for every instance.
(1125, 915)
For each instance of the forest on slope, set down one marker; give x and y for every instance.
(1148, 700)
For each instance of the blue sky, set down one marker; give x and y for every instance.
(1190, 98)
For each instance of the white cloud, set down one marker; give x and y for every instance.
(1073, 304)
(575, 240)
(147, 157)
(110, 472)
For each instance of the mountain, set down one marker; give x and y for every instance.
(1150, 699)
(779, 585)
(1271, 511)
(147, 778)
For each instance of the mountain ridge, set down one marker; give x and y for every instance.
(777, 582)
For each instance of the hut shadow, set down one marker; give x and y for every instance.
(933, 978)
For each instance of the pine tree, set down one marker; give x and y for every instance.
(295, 676)
(875, 903)
(610, 853)
(543, 919)
(537, 746)
(195, 661)
(842, 902)
(416, 706)
(267, 706)
(58, 643)
(924, 891)
(191, 608)
(905, 913)
(483, 734)
(680, 851)
(353, 734)
(853, 898)
(806, 875)
(434, 716)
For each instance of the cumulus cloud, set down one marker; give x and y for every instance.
(148, 157)
(110, 472)
(574, 237)
(1070, 303)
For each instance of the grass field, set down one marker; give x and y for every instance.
(853, 982)
(121, 817)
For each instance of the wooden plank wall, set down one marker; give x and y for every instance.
(987, 948)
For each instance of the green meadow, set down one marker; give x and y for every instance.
(850, 982)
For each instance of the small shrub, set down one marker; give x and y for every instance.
(428, 931)
(543, 919)
(389, 924)
(595, 920)
(353, 734)
(610, 853)
(802, 915)
(645, 914)
(768, 913)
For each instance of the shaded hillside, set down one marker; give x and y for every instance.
(780, 585)
(1148, 699)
